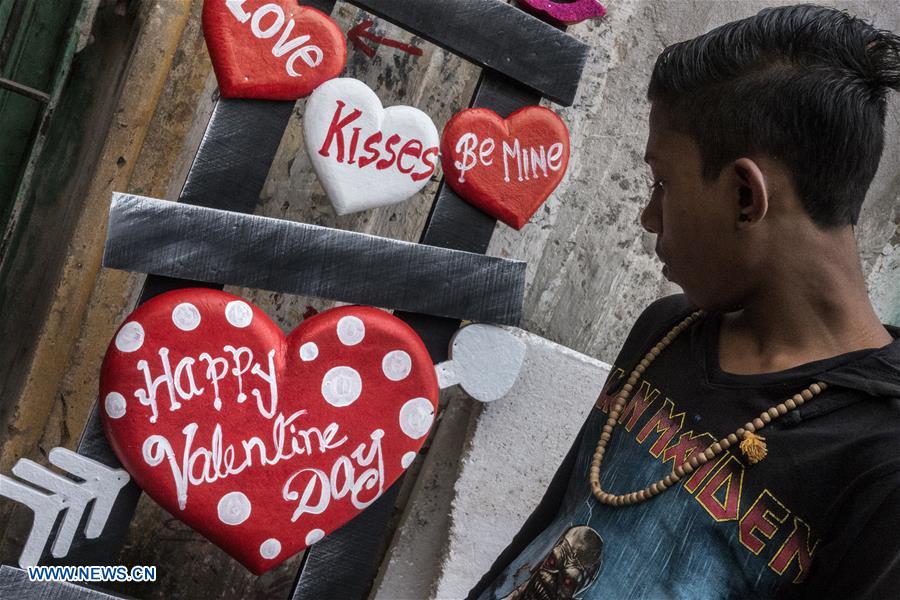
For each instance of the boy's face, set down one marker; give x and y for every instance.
(693, 220)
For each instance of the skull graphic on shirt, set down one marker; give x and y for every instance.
(567, 570)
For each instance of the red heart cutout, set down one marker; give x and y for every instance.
(505, 167)
(271, 49)
(264, 443)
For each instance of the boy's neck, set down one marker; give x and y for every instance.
(813, 305)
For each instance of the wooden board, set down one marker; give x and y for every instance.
(235, 155)
(341, 566)
(497, 36)
(452, 223)
(238, 149)
(223, 247)
(448, 213)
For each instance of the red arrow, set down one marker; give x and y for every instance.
(361, 31)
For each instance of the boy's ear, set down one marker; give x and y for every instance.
(752, 194)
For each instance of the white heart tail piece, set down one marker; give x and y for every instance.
(485, 360)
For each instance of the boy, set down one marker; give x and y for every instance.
(751, 449)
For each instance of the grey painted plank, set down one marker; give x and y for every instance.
(203, 244)
(495, 35)
(14, 584)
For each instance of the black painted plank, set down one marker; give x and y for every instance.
(340, 566)
(237, 149)
(495, 35)
(234, 157)
(232, 136)
(204, 244)
(453, 223)
(326, 6)
(14, 585)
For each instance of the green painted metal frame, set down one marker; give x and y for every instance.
(38, 43)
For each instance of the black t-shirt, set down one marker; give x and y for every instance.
(818, 517)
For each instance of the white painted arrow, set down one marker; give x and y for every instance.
(100, 485)
(103, 482)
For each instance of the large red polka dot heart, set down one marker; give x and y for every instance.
(264, 443)
(271, 49)
(505, 167)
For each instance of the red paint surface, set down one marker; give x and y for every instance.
(479, 173)
(360, 32)
(276, 65)
(301, 403)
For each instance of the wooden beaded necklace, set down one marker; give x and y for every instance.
(752, 445)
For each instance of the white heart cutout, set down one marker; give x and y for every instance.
(366, 155)
(474, 347)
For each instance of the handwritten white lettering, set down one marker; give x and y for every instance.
(181, 384)
(201, 464)
(530, 162)
(298, 47)
(340, 482)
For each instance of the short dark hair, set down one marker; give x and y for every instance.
(806, 85)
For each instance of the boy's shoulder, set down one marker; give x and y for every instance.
(653, 323)
(668, 309)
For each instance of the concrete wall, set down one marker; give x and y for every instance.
(590, 273)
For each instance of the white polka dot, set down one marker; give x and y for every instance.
(115, 405)
(408, 459)
(238, 313)
(309, 351)
(351, 330)
(416, 417)
(396, 365)
(341, 386)
(314, 536)
(234, 508)
(130, 337)
(270, 548)
(186, 316)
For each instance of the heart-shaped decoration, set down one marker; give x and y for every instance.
(271, 49)
(366, 155)
(505, 167)
(264, 443)
(566, 11)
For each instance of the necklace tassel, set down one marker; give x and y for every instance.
(754, 447)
